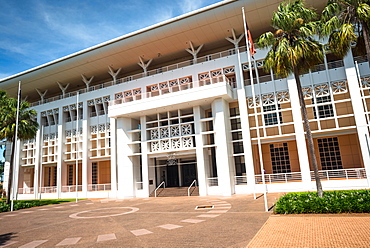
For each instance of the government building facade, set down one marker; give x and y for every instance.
(178, 104)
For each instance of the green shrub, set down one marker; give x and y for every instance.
(21, 204)
(348, 201)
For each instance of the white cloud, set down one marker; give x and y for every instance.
(190, 5)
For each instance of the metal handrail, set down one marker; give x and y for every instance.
(155, 191)
(191, 185)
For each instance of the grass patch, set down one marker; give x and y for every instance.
(22, 204)
(344, 201)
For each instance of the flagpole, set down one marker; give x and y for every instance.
(15, 139)
(77, 145)
(248, 40)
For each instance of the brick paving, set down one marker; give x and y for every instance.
(314, 231)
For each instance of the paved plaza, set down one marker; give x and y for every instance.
(149, 222)
(212, 221)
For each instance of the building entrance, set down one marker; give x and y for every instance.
(179, 172)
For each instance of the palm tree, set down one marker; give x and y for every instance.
(27, 126)
(293, 50)
(346, 21)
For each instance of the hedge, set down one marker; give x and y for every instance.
(346, 201)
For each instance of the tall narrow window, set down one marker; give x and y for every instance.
(280, 158)
(330, 154)
(94, 173)
(70, 174)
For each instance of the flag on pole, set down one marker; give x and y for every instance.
(252, 49)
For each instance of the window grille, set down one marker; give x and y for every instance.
(280, 158)
(272, 118)
(330, 154)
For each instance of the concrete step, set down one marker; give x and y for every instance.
(176, 191)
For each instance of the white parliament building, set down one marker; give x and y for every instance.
(173, 106)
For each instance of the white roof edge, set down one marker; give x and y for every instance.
(183, 16)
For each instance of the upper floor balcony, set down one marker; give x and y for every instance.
(174, 96)
(130, 78)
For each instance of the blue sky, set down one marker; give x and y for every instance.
(34, 32)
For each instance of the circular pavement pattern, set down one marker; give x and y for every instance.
(103, 212)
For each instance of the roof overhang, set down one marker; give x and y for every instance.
(163, 42)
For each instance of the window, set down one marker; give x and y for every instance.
(272, 118)
(70, 174)
(330, 154)
(280, 158)
(326, 110)
(235, 124)
(238, 147)
(94, 173)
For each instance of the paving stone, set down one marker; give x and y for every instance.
(33, 244)
(69, 241)
(194, 221)
(169, 226)
(105, 237)
(314, 231)
(140, 232)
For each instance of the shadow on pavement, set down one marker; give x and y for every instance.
(6, 237)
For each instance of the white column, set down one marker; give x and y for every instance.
(86, 165)
(113, 157)
(244, 120)
(124, 162)
(359, 112)
(299, 132)
(144, 157)
(60, 152)
(201, 171)
(225, 167)
(37, 183)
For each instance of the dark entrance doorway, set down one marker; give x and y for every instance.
(179, 172)
(189, 172)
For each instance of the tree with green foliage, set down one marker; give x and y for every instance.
(294, 51)
(27, 127)
(345, 22)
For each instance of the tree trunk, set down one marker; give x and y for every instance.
(365, 32)
(308, 134)
(10, 178)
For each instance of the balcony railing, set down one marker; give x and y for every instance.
(172, 89)
(212, 181)
(356, 173)
(142, 75)
(280, 177)
(240, 180)
(71, 188)
(49, 189)
(26, 190)
(99, 187)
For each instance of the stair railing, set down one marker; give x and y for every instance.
(164, 186)
(191, 185)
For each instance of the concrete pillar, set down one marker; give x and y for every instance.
(359, 112)
(113, 157)
(60, 129)
(201, 166)
(244, 120)
(37, 177)
(225, 165)
(144, 156)
(299, 133)
(126, 186)
(86, 165)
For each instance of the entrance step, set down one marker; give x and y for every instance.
(176, 191)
